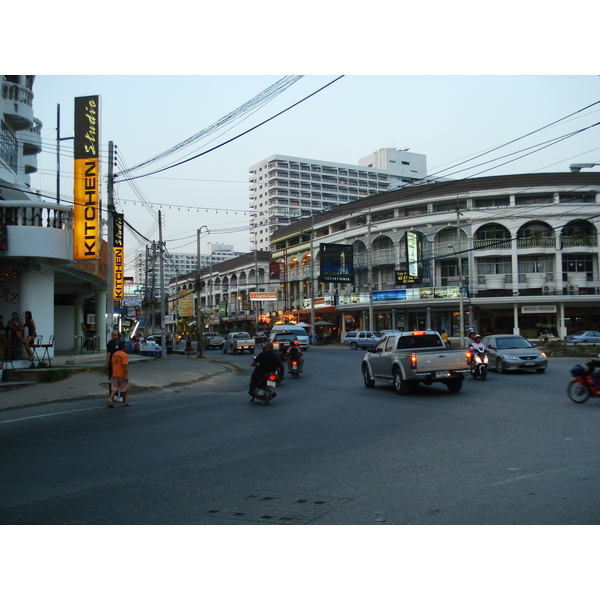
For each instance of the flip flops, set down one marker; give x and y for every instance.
(125, 404)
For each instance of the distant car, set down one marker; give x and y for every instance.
(283, 338)
(362, 339)
(213, 339)
(512, 353)
(583, 337)
(299, 331)
(157, 339)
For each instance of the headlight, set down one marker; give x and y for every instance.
(509, 356)
(542, 355)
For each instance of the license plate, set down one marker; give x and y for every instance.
(441, 374)
(271, 383)
(530, 364)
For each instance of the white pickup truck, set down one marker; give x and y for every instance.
(238, 341)
(407, 359)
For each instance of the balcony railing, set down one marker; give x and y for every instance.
(537, 242)
(573, 241)
(33, 213)
(493, 244)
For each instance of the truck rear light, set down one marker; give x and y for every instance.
(469, 356)
(413, 361)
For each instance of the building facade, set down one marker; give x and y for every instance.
(284, 189)
(234, 294)
(66, 298)
(519, 253)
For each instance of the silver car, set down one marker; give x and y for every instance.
(583, 337)
(512, 353)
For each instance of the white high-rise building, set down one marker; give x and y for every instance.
(284, 189)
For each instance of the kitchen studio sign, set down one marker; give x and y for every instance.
(538, 309)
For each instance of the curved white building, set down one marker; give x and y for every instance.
(523, 248)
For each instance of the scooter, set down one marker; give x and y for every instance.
(265, 389)
(582, 387)
(479, 363)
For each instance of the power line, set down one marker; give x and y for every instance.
(237, 136)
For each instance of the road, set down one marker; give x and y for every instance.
(510, 450)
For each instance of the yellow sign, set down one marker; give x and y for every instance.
(86, 189)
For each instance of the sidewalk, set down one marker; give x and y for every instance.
(89, 379)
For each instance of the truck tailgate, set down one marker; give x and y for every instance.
(441, 360)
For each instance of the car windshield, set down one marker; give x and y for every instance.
(578, 333)
(513, 342)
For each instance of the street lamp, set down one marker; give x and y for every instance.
(460, 297)
(576, 167)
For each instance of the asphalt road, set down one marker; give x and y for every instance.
(510, 450)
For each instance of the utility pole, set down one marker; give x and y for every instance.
(370, 272)
(256, 311)
(312, 280)
(163, 317)
(460, 280)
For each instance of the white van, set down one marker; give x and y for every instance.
(299, 331)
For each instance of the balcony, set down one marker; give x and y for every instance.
(37, 230)
(17, 105)
(537, 241)
(578, 241)
(493, 244)
(383, 257)
(32, 138)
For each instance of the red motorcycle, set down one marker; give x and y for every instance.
(582, 387)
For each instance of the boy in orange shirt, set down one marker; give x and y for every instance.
(120, 375)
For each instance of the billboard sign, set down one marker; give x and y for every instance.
(414, 254)
(86, 188)
(337, 263)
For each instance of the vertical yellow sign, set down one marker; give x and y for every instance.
(86, 189)
(118, 258)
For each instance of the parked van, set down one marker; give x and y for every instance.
(299, 331)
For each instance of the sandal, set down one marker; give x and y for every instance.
(110, 405)
(125, 404)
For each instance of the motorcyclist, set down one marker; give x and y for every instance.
(476, 347)
(594, 364)
(476, 344)
(295, 354)
(266, 362)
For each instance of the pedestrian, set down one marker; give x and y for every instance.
(111, 348)
(188, 347)
(29, 334)
(120, 375)
(15, 331)
(445, 338)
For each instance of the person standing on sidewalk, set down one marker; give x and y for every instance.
(120, 375)
(111, 348)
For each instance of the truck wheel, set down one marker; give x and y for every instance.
(354, 346)
(402, 387)
(369, 383)
(224, 350)
(454, 386)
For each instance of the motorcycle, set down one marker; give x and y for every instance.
(265, 389)
(582, 387)
(479, 363)
(295, 367)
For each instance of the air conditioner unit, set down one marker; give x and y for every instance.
(572, 289)
(548, 289)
